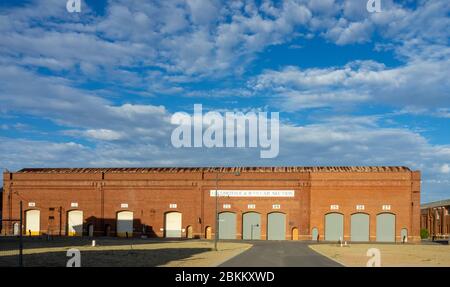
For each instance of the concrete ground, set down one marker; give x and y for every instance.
(120, 252)
(392, 255)
(186, 253)
(280, 254)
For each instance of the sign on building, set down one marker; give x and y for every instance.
(253, 193)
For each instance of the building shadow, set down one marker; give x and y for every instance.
(106, 258)
(103, 230)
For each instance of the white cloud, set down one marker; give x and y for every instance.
(203, 12)
(445, 168)
(207, 38)
(297, 100)
(419, 84)
(103, 134)
(19, 153)
(345, 32)
(333, 141)
(197, 37)
(55, 99)
(324, 7)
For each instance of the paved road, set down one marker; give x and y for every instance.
(280, 254)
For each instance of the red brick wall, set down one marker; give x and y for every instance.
(436, 227)
(149, 195)
(373, 190)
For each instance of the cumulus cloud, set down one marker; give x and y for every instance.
(207, 38)
(330, 141)
(193, 37)
(24, 152)
(419, 84)
(445, 168)
(56, 99)
(103, 134)
(345, 32)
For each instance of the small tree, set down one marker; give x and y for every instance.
(424, 233)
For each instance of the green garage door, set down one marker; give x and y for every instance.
(276, 226)
(251, 226)
(359, 227)
(386, 227)
(227, 225)
(334, 226)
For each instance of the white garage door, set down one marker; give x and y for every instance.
(33, 219)
(173, 225)
(75, 223)
(125, 223)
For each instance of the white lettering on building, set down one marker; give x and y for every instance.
(253, 193)
(386, 207)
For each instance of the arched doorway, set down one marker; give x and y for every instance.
(125, 224)
(16, 228)
(295, 233)
(173, 224)
(189, 232)
(276, 226)
(90, 229)
(334, 227)
(227, 225)
(75, 223)
(208, 232)
(32, 222)
(386, 227)
(107, 230)
(359, 227)
(404, 235)
(315, 234)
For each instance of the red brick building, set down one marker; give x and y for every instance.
(435, 217)
(291, 203)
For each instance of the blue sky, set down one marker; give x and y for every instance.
(97, 88)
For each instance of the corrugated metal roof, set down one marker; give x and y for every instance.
(445, 202)
(219, 169)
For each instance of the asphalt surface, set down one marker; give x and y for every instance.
(280, 254)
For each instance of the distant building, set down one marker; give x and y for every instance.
(435, 217)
